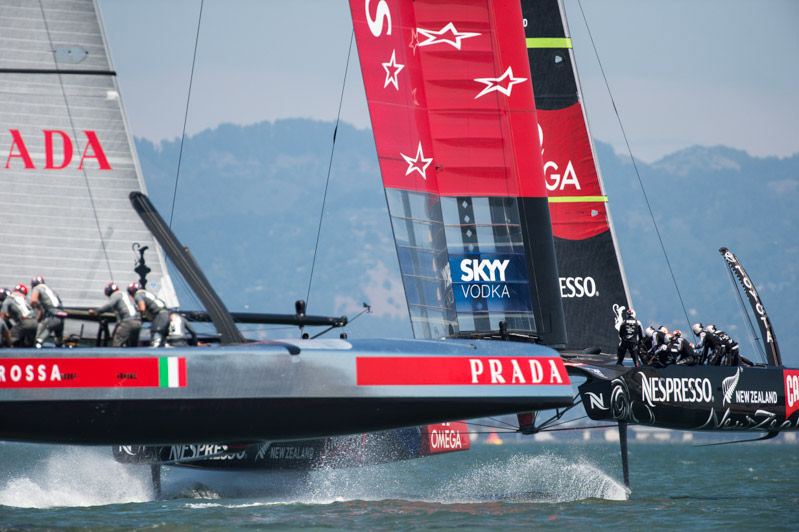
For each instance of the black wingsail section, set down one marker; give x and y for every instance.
(763, 321)
(187, 266)
(589, 265)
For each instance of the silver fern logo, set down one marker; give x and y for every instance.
(728, 386)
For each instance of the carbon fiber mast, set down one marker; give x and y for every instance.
(187, 266)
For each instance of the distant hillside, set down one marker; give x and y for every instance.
(249, 201)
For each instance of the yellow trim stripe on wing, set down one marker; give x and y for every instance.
(549, 42)
(576, 199)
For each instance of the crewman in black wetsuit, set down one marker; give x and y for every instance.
(682, 350)
(663, 355)
(128, 317)
(179, 328)
(50, 312)
(5, 335)
(646, 344)
(630, 336)
(701, 344)
(154, 309)
(15, 308)
(658, 340)
(724, 348)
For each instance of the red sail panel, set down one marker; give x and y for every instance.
(394, 90)
(449, 95)
(578, 208)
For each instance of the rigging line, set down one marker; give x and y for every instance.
(186, 114)
(635, 166)
(495, 420)
(753, 337)
(329, 166)
(74, 135)
(510, 428)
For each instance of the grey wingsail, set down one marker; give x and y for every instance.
(67, 161)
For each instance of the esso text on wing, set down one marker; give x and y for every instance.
(578, 287)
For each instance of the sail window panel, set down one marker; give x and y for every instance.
(422, 263)
(418, 233)
(492, 239)
(432, 323)
(490, 322)
(425, 291)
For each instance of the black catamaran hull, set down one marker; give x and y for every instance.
(262, 391)
(304, 455)
(697, 398)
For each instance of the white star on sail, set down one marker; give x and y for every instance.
(418, 164)
(497, 84)
(440, 36)
(392, 69)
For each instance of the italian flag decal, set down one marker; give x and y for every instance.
(171, 372)
(91, 372)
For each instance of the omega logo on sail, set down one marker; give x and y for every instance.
(557, 181)
(58, 151)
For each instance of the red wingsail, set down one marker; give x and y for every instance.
(454, 119)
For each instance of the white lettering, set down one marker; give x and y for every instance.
(477, 369)
(517, 372)
(382, 14)
(578, 287)
(554, 373)
(16, 373)
(495, 366)
(536, 372)
(42, 373)
(55, 375)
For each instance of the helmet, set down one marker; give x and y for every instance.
(697, 328)
(110, 288)
(22, 289)
(663, 329)
(36, 281)
(4, 293)
(631, 312)
(710, 328)
(134, 287)
(668, 338)
(626, 314)
(649, 331)
(677, 333)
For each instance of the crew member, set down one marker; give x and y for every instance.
(154, 310)
(658, 340)
(630, 336)
(682, 350)
(179, 327)
(663, 355)
(128, 326)
(725, 349)
(701, 347)
(15, 308)
(50, 313)
(5, 335)
(646, 344)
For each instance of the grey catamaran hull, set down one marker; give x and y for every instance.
(268, 391)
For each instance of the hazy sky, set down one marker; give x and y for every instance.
(682, 72)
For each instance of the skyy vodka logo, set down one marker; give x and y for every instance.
(490, 282)
(477, 271)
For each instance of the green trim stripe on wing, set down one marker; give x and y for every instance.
(549, 42)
